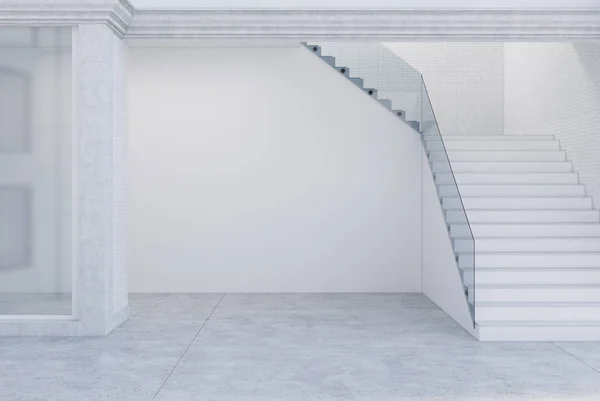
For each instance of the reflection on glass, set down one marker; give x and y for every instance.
(35, 171)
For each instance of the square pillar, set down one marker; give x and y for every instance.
(100, 132)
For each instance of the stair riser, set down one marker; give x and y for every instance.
(532, 314)
(529, 245)
(386, 103)
(329, 60)
(502, 167)
(516, 203)
(536, 295)
(535, 277)
(528, 216)
(492, 145)
(358, 82)
(524, 191)
(345, 71)
(313, 49)
(517, 178)
(524, 231)
(499, 156)
(542, 333)
(547, 260)
(471, 138)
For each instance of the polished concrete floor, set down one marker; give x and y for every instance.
(291, 348)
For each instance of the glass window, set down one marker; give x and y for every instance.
(35, 171)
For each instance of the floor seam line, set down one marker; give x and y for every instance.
(187, 348)
(568, 353)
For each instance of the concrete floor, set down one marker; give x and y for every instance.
(293, 347)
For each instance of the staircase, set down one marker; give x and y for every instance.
(359, 82)
(537, 237)
(528, 249)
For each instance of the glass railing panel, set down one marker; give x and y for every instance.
(381, 69)
(456, 217)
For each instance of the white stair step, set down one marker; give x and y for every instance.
(456, 137)
(507, 190)
(539, 276)
(507, 178)
(498, 156)
(534, 311)
(533, 293)
(502, 167)
(543, 259)
(562, 230)
(492, 145)
(516, 203)
(538, 331)
(497, 245)
(524, 216)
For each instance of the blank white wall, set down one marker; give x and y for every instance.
(263, 170)
(465, 82)
(554, 89)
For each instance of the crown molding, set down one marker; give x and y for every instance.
(180, 25)
(117, 14)
(393, 24)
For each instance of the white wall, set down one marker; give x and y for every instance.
(263, 170)
(554, 89)
(374, 4)
(465, 82)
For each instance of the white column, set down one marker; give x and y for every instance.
(99, 59)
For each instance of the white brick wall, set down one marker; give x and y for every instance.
(554, 89)
(383, 70)
(465, 82)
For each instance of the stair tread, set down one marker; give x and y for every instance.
(505, 161)
(498, 150)
(588, 223)
(528, 210)
(492, 304)
(533, 286)
(528, 268)
(537, 253)
(488, 138)
(538, 323)
(522, 239)
(519, 198)
(513, 185)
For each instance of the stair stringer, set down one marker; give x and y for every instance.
(441, 280)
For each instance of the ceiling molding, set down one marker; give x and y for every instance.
(180, 25)
(395, 24)
(117, 14)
